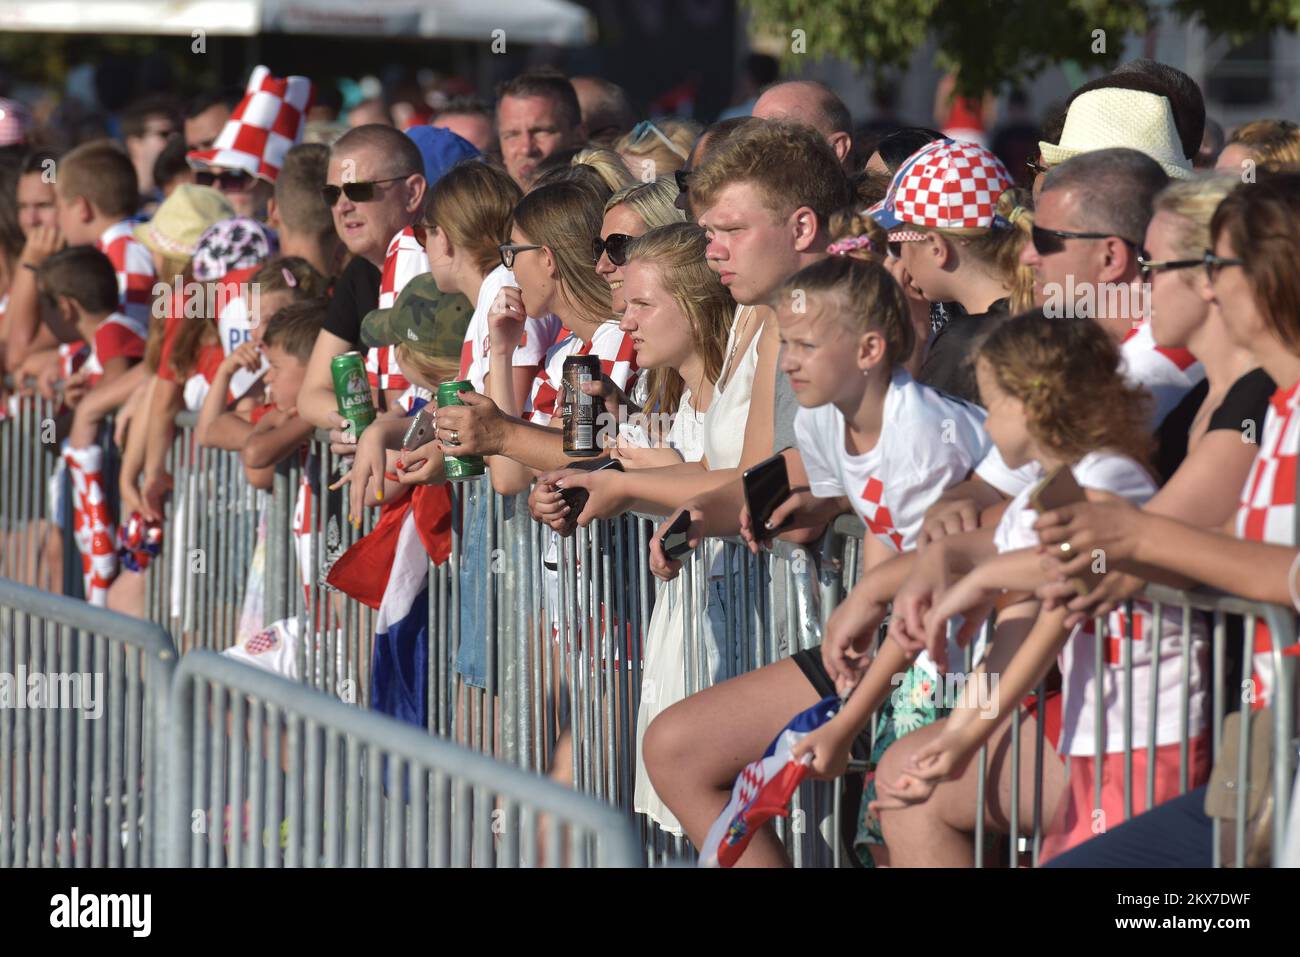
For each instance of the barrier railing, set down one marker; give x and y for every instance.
(304, 780)
(29, 539)
(81, 763)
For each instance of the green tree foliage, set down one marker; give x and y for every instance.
(992, 43)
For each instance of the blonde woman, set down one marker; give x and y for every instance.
(658, 148)
(1271, 145)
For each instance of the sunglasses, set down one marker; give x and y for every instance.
(510, 250)
(646, 128)
(357, 192)
(614, 245)
(1214, 263)
(1148, 266)
(234, 180)
(1050, 241)
(1037, 167)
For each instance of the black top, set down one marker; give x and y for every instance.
(949, 365)
(1245, 405)
(1242, 411)
(356, 292)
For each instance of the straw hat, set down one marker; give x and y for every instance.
(1111, 117)
(182, 218)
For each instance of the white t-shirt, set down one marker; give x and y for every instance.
(1168, 374)
(1119, 475)
(928, 442)
(539, 334)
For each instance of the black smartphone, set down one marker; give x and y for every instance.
(767, 485)
(576, 498)
(674, 540)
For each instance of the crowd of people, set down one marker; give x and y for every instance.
(921, 340)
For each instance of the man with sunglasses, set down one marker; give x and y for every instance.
(1085, 249)
(375, 188)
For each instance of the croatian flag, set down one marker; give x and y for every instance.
(764, 788)
(388, 570)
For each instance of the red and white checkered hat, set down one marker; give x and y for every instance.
(266, 123)
(946, 184)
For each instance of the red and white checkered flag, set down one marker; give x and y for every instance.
(266, 123)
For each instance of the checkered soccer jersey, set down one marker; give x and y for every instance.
(617, 360)
(1267, 509)
(117, 336)
(133, 264)
(539, 334)
(1120, 476)
(404, 260)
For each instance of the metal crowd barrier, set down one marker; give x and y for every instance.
(28, 456)
(82, 768)
(565, 656)
(267, 773)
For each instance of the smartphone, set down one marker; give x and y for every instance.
(576, 498)
(420, 432)
(674, 540)
(767, 485)
(1057, 490)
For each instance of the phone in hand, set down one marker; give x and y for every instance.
(576, 498)
(420, 432)
(1057, 490)
(674, 541)
(767, 485)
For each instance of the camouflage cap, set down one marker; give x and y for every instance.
(424, 319)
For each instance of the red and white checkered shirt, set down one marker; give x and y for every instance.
(1267, 509)
(118, 335)
(617, 360)
(134, 267)
(404, 260)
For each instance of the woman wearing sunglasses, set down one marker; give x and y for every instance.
(630, 212)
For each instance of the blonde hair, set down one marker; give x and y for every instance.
(608, 165)
(650, 148)
(1274, 143)
(870, 300)
(677, 251)
(472, 204)
(999, 249)
(852, 223)
(431, 370)
(654, 202)
(1193, 201)
(563, 217)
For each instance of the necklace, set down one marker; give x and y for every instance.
(735, 346)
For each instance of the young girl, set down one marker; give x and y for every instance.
(868, 435)
(676, 313)
(1055, 396)
(955, 229)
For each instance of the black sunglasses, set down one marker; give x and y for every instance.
(230, 179)
(1148, 266)
(1214, 263)
(1049, 241)
(356, 192)
(508, 251)
(614, 245)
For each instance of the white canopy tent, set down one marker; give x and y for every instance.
(523, 21)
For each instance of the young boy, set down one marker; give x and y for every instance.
(80, 287)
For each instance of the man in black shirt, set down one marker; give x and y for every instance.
(375, 187)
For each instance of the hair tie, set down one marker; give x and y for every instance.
(290, 279)
(842, 247)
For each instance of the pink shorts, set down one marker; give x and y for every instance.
(1076, 821)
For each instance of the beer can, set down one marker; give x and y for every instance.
(458, 467)
(352, 390)
(579, 409)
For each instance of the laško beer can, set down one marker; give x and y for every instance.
(463, 466)
(352, 390)
(579, 409)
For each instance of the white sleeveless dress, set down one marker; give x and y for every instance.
(720, 436)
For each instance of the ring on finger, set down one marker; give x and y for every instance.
(1066, 548)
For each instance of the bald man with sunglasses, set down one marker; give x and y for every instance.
(375, 188)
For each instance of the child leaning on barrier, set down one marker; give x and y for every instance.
(869, 437)
(80, 287)
(228, 413)
(1056, 396)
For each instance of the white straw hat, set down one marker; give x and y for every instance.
(1111, 117)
